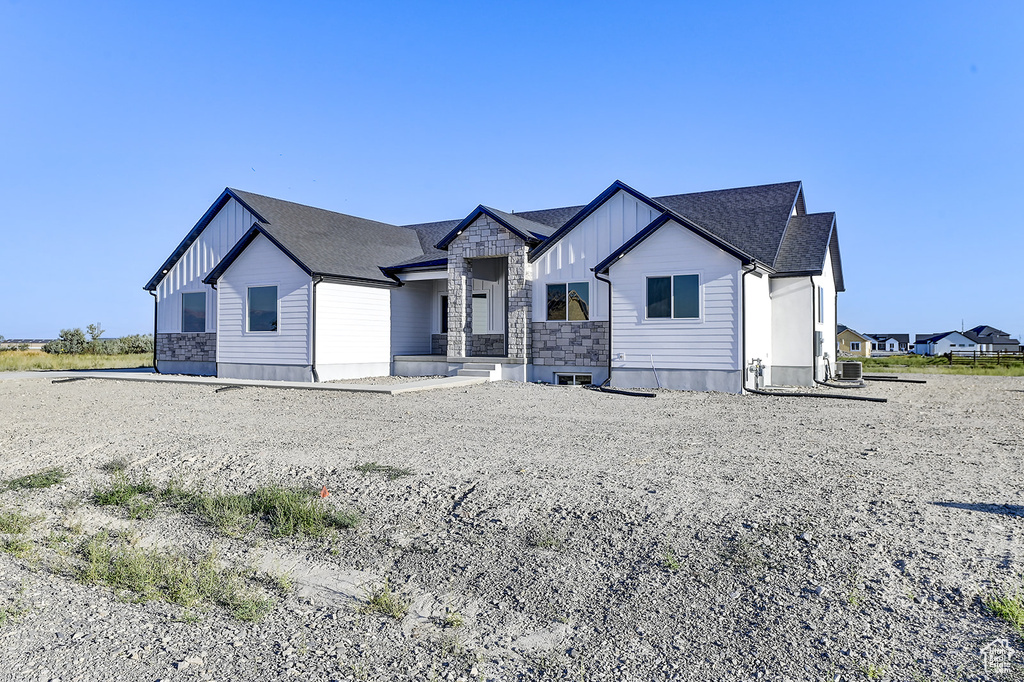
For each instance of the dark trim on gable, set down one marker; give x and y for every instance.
(615, 187)
(194, 233)
(798, 203)
(657, 223)
(243, 243)
(527, 237)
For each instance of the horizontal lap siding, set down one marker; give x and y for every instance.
(353, 324)
(412, 308)
(263, 264)
(708, 344)
(586, 245)
(213, 243)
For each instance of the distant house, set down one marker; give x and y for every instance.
(946, 342)
(992, 339)
(853, 343)
(890, 343)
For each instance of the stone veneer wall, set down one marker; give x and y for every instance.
(439, 344)
(490, 345)
(486, 239)
(187, 347)
(580, 344)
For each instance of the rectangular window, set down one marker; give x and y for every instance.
(262, 316)
(574, 379)
(855, 345)
(481, 313)
(444, 314)
(193, 312)
(821, 305)
(569, 301)
(677, 297)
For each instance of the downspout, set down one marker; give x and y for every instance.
(312, 343)
(155, 368)
(609, 283)
(743, 323)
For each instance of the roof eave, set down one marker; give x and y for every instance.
(527, 237)
(194, 233)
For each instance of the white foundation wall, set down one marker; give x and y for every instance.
(353, 331)
(711, 343)
(185, 276)
(757, 326)
(412, 310)
(263, 264)
(792, 348)
(570, 260)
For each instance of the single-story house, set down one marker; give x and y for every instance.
(945, 342)
(853, 343)
(992, 339)
(681, 291)
(890, 343)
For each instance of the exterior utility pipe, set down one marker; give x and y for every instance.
(609, 283)
(866, 377)
(823, 383)
(818, 395)
(636, 394)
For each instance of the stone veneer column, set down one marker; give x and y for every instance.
(486, 239)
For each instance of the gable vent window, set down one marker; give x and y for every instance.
(262, 314)
(569, 301)
(193, 312)
(676, 297)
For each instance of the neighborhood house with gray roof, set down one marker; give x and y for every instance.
(682, 291)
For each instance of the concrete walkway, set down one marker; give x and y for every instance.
(149, 375)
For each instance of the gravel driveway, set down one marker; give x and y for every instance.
(538, 532)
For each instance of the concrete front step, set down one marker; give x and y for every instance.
(474, 373)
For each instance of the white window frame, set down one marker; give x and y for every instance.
(574, 376)
(672, 297)
(277, 301)
(854, 346)
(590, 289)
(206, 306)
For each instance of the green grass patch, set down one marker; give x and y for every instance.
(390, 473)
(122, 490)
(116, 465)
(34, 360)
(15, 522)
(1008, 608)
(385, 602)
(922, 364)
(17, 545)
(9, 614)
(149, 574)
(670, 562)
(40, 479)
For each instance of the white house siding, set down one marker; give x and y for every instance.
(688, 354)
(353, 331)
(826, 281)
(955, 342)
(757, 326)
(412, 306)
(792, 338)
(586, 245)
(284, 354)
(213, 243)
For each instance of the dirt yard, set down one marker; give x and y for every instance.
(521, 532)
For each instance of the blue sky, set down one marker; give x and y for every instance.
(122, 122)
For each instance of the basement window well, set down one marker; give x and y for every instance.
(574, 379)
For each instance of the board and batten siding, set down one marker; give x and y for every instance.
(611, 225)
(709, 343)
(263, 264)
(353, 325)
(217, 238)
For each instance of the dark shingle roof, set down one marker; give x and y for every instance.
(902, 338)
(330, 243)
(805, 244)
(552, 217)
(753, 219)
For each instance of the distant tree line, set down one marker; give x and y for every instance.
(74, 342)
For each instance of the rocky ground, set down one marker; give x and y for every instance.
(538, 532)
